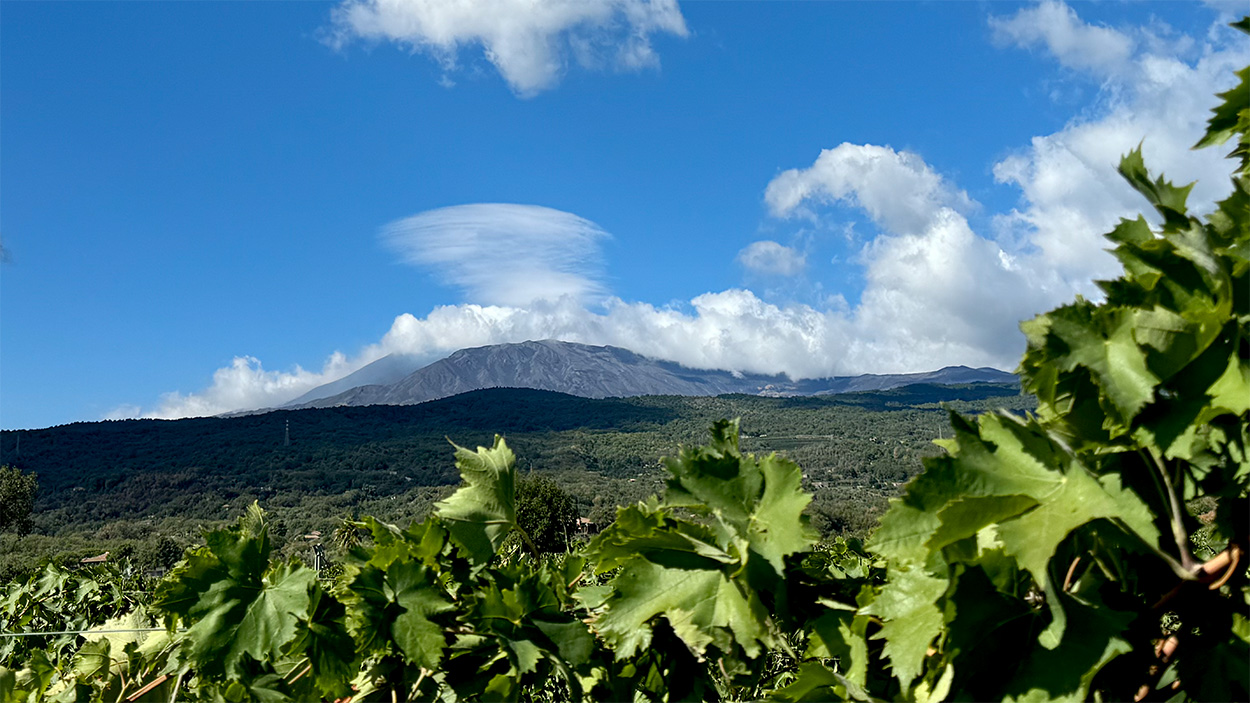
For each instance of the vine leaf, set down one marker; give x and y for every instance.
(481, 513)
(324, 639)
(913, 620)
(704, 579)
(694, 600)
(395, 605)
(231, 602)
(271, 619)
(1002, 472)
(1064, 673)
(760, 501)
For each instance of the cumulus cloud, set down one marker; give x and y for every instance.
(504, 254)
(936, 291)
(770, 258)
(529, 41)
(1076, 44)
(896, 188)
(933, 285)
(245, 385)
(1070, 191)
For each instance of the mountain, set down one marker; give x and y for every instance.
(591, 372)
(389, 369)
(948, 376)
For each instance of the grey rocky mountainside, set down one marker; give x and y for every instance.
(591, 372)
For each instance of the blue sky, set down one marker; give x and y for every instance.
(217, 206)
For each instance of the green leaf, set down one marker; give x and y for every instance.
(232, 606)
(695, 601)
(271, 618)
(779, 510)
(815, 682)
(904, 532)
(327, 644)
(1168, 199)
(1231, 391)
(8, 685)
(481, 513)
(759, 501)
(92, 659)
(1079, 498)
(964, 518)
(839, 634)
(812, 682)
(1230, 116)
(1064, 672)
(395, 606)
(650, 531)
(1107, 347)
(913, 620)
(572, 639)
(705, 580)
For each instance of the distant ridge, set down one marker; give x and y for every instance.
(591, 372)
(389, 369)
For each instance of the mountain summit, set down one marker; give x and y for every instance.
(591, 372)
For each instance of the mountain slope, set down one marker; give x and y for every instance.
(389, 369)
(598, 372)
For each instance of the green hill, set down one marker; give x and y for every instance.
(853, 447)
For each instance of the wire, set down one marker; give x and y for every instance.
(84, 632)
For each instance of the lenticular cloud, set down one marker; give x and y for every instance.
(504, 254)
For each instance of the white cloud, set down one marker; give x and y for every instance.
(896, 188)
(1076, 44)
(770, 258)
(935, 289)
(528, 41)
(732, 329)
(1070, 190)
(503, 254)
(937, 292)
(244, 385)
(945, 293)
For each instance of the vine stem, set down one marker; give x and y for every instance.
(148, 687)
(1174, 509)
(416, 687)
(529, 542)
(1067, 580)
(177, 684)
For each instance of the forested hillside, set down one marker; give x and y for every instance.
(104, 484)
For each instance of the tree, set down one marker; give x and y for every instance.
(161, 554)
(17, 499)
(546, 513)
